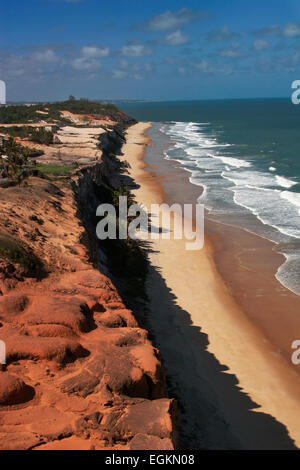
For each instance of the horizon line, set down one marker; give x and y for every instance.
(146, 100)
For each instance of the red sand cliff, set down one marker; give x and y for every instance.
(80, 373)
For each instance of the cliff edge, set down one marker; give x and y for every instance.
(80, 373)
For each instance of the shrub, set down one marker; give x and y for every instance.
(127, 258)
(58, 170)
(16, 164)
(41, 136)
(12, 251)
(17, 131)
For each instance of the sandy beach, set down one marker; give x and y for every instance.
(236, 390)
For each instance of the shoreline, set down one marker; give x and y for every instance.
(258, 377)
(252, 281)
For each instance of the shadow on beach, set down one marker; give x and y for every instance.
(214, 412)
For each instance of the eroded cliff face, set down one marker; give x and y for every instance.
(80, 373)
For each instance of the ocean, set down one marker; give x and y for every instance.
(245, 154)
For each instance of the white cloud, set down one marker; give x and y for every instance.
(47, 56)
(215, 68)
(95, 52)
(32, 67)
(292, 30)
(205, 67)
(83, 63)
(287, 63)
(273, 30)
(172, 20)
(124, 64)
(136, 50)
(261, 45)
(148, 67)
(118, 74)
(135, 71)
(89, 58)
(232, 52)
(171, 60)
(176, 38)
(223, 34)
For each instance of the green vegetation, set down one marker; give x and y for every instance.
(127, 258)
(51, 112)
(14, 161)
(32, 152)
(16, 131)
(12, 251)
(23, 114)
(41, 136)
(85, 106)
(58, 170)
(18, 114)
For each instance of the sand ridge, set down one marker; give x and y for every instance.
(80, 373)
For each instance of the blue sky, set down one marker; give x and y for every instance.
(165, 50)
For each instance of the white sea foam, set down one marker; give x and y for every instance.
(253, 190)
(190, 133)
(269, 207)
(249, 177)
(236, 162)
(287, 273)
(197, 151)
(293, 198)
(284, 182)
(235, 187)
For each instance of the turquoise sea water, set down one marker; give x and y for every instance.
(246, 156)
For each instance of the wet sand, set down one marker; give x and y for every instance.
(235, 389)
(246, 261)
